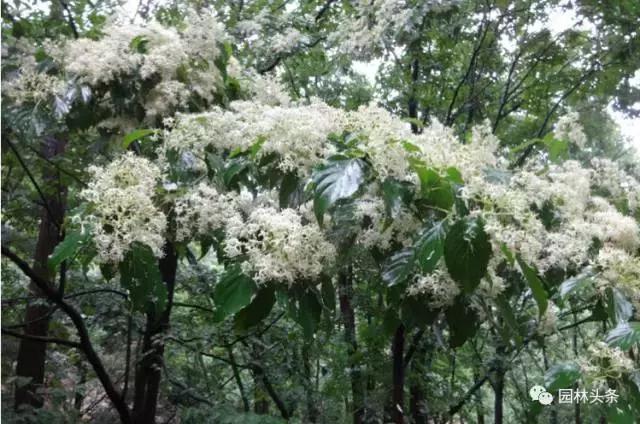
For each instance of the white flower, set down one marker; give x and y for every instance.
(203, 210)
(278, 247)
(438, 286)
(122, 208)
(569, 128)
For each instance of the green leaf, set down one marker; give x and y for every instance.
(139, 273)
(620, 414)
(561, 376)
(571, 284)
(136, 135)
(509, 317)
(620, 309)
(233, 170)
(429, 247)
(466, 252)
(508, 254)
(625, 335)
(232, 293)
(288, 186)
(437, 190)
(338, 180)
(415, 313)
(257, 310)
(395, 194)
(463, 322)
(309, 312)
(535, 284)
(398, 268)
(139, 44)
(67, 248)
(328, 295)
(558, 149)
(454, 175)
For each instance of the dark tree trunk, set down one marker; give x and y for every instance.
(149, 369)
(418, 405)
(348, 320)
(397, 392)
(32, 354)
(312, 407)
(498, 389)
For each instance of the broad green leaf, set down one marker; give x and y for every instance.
(558, 149)
(463, 322)
(535, 284)
(328, 295)
(233, 170)
(139, 273)
(620, 413)
(139, 44)
(309, 312)
(257, 310)
(620, 309)
(561, 376)
(429, 247)
(395, 194)
(466, 252)
(624, 335)
(232, 293)
(338, 180)
(437, 190)
(67, 248)
(136, 135)
(415, 313)
(571, 284)
(288, 186)
(398, 268)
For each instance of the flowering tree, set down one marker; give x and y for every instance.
(213, 206)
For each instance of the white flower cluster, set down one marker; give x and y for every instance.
(563, 192)
(297, 134)
(278, 246)
(603, 362)
(379, 232)
(122, 209)
(619, 185)
(151, 51)
(202, 210)
(374, 23)
(569, 128)
(438, 287)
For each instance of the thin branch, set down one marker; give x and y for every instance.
(85, 341)
(45, 203)
(63, 342)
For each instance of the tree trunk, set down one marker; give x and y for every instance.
(498, 388)
(32, 354)
(149, 369)
(312, 407)
(417, 404)
(397, 392)
(348, 320)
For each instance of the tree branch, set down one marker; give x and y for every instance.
(63, 342)
(85, 341)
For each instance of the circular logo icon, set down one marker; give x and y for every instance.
(536, 391)
(545, 398)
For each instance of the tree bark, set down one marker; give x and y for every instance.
(30, 362)
(348, 320)
(498, 389)
(149, 369)
(397, 393)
